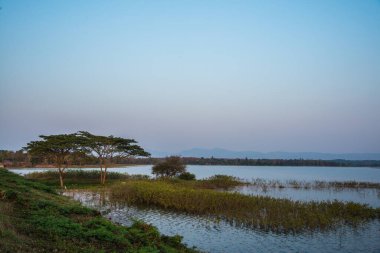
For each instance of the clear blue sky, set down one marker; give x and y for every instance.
(242, 75)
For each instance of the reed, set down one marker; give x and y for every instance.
(296, 184)
(278, 215)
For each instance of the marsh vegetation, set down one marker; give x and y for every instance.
(279, 215)
(317, 184)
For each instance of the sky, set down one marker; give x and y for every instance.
(296, 76)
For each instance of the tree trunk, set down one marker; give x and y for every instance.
(61, 177)
(105, 175)
(101, 170)
(101, 174)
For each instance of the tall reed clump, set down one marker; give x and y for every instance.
(220, 182)
(263, 183)
(278, 215)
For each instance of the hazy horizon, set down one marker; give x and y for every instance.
(297, 76)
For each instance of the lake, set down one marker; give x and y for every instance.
(220, 237)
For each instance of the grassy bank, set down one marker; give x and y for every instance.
(33, 218)
(254, 211)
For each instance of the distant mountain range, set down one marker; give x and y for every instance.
(224, 153)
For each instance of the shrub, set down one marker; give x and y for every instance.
(221, 182)
(10, 195)
(171, 167)
(187, 176)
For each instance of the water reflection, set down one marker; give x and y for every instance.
(221, 236)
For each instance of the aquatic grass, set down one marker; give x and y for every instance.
(220, 182)
(278, 215)
(216, 182)
(317, 184)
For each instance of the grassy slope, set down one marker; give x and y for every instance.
(33, 218)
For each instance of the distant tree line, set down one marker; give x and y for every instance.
(256, 162)
(23, 159)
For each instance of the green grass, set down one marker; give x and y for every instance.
(279, 215)
(78, 178)
(33, 218)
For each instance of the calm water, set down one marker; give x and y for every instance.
(219, 237)
(364, 196)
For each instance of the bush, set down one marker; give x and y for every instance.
(171, 167)
(187, 176)
(220, 182)
(10, 195)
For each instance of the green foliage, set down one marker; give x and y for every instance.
(187, 176)
(106, 148)
(172, 166)
(76, 178)
(220, 182)
(10, 194)
(279, 215)
(34, 220)
(59, 147)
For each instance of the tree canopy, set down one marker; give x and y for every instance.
(58, 148)
(105, 148)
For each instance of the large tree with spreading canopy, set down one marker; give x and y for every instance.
(59, 149)
(105, 148)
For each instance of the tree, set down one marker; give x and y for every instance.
(57, 148)
(106, 148)
(172, 166)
